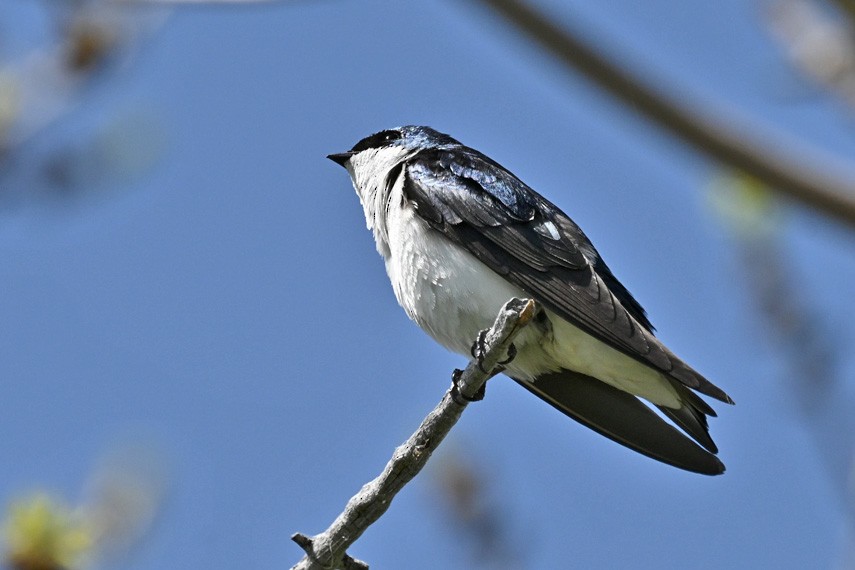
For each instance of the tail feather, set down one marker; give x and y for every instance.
(623, 418)
(692, 417)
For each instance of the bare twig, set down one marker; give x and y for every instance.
(811, 183)
(328, 550)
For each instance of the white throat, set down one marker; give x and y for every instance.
(371, 171)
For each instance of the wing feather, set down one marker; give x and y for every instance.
(522, 236)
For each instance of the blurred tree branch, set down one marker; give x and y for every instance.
(815, 183)
(819, 41)
(78, 49)
(847, 6)
(89, 41)
(810, 349)
(329, 549)
(45, 532)
(480, 521)
(190, 2)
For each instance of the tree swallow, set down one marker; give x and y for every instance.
(461, 235)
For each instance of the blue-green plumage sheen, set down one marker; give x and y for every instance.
(460, 235)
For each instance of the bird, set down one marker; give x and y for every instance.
(461, 235)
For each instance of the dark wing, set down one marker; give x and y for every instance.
(525, 238)
(622, 418)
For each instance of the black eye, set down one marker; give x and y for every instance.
(377, 140)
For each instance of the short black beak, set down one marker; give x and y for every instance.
(340, 158)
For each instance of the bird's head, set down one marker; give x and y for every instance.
(373, 162)
(398, 141)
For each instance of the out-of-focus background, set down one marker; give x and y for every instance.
(189, 296)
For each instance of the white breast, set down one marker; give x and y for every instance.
(441, 286)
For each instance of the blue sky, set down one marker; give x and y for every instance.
(227, 305)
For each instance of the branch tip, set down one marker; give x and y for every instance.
(527, 312)
(302, 541)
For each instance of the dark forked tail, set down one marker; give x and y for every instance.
(625, 419)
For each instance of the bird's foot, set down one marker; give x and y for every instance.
(479, 348)
(512, 353)
(458, 396)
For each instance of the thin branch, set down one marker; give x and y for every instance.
(786, 171)
(328, 550)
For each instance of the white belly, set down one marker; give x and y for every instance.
(453, 296)
(441, 286)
